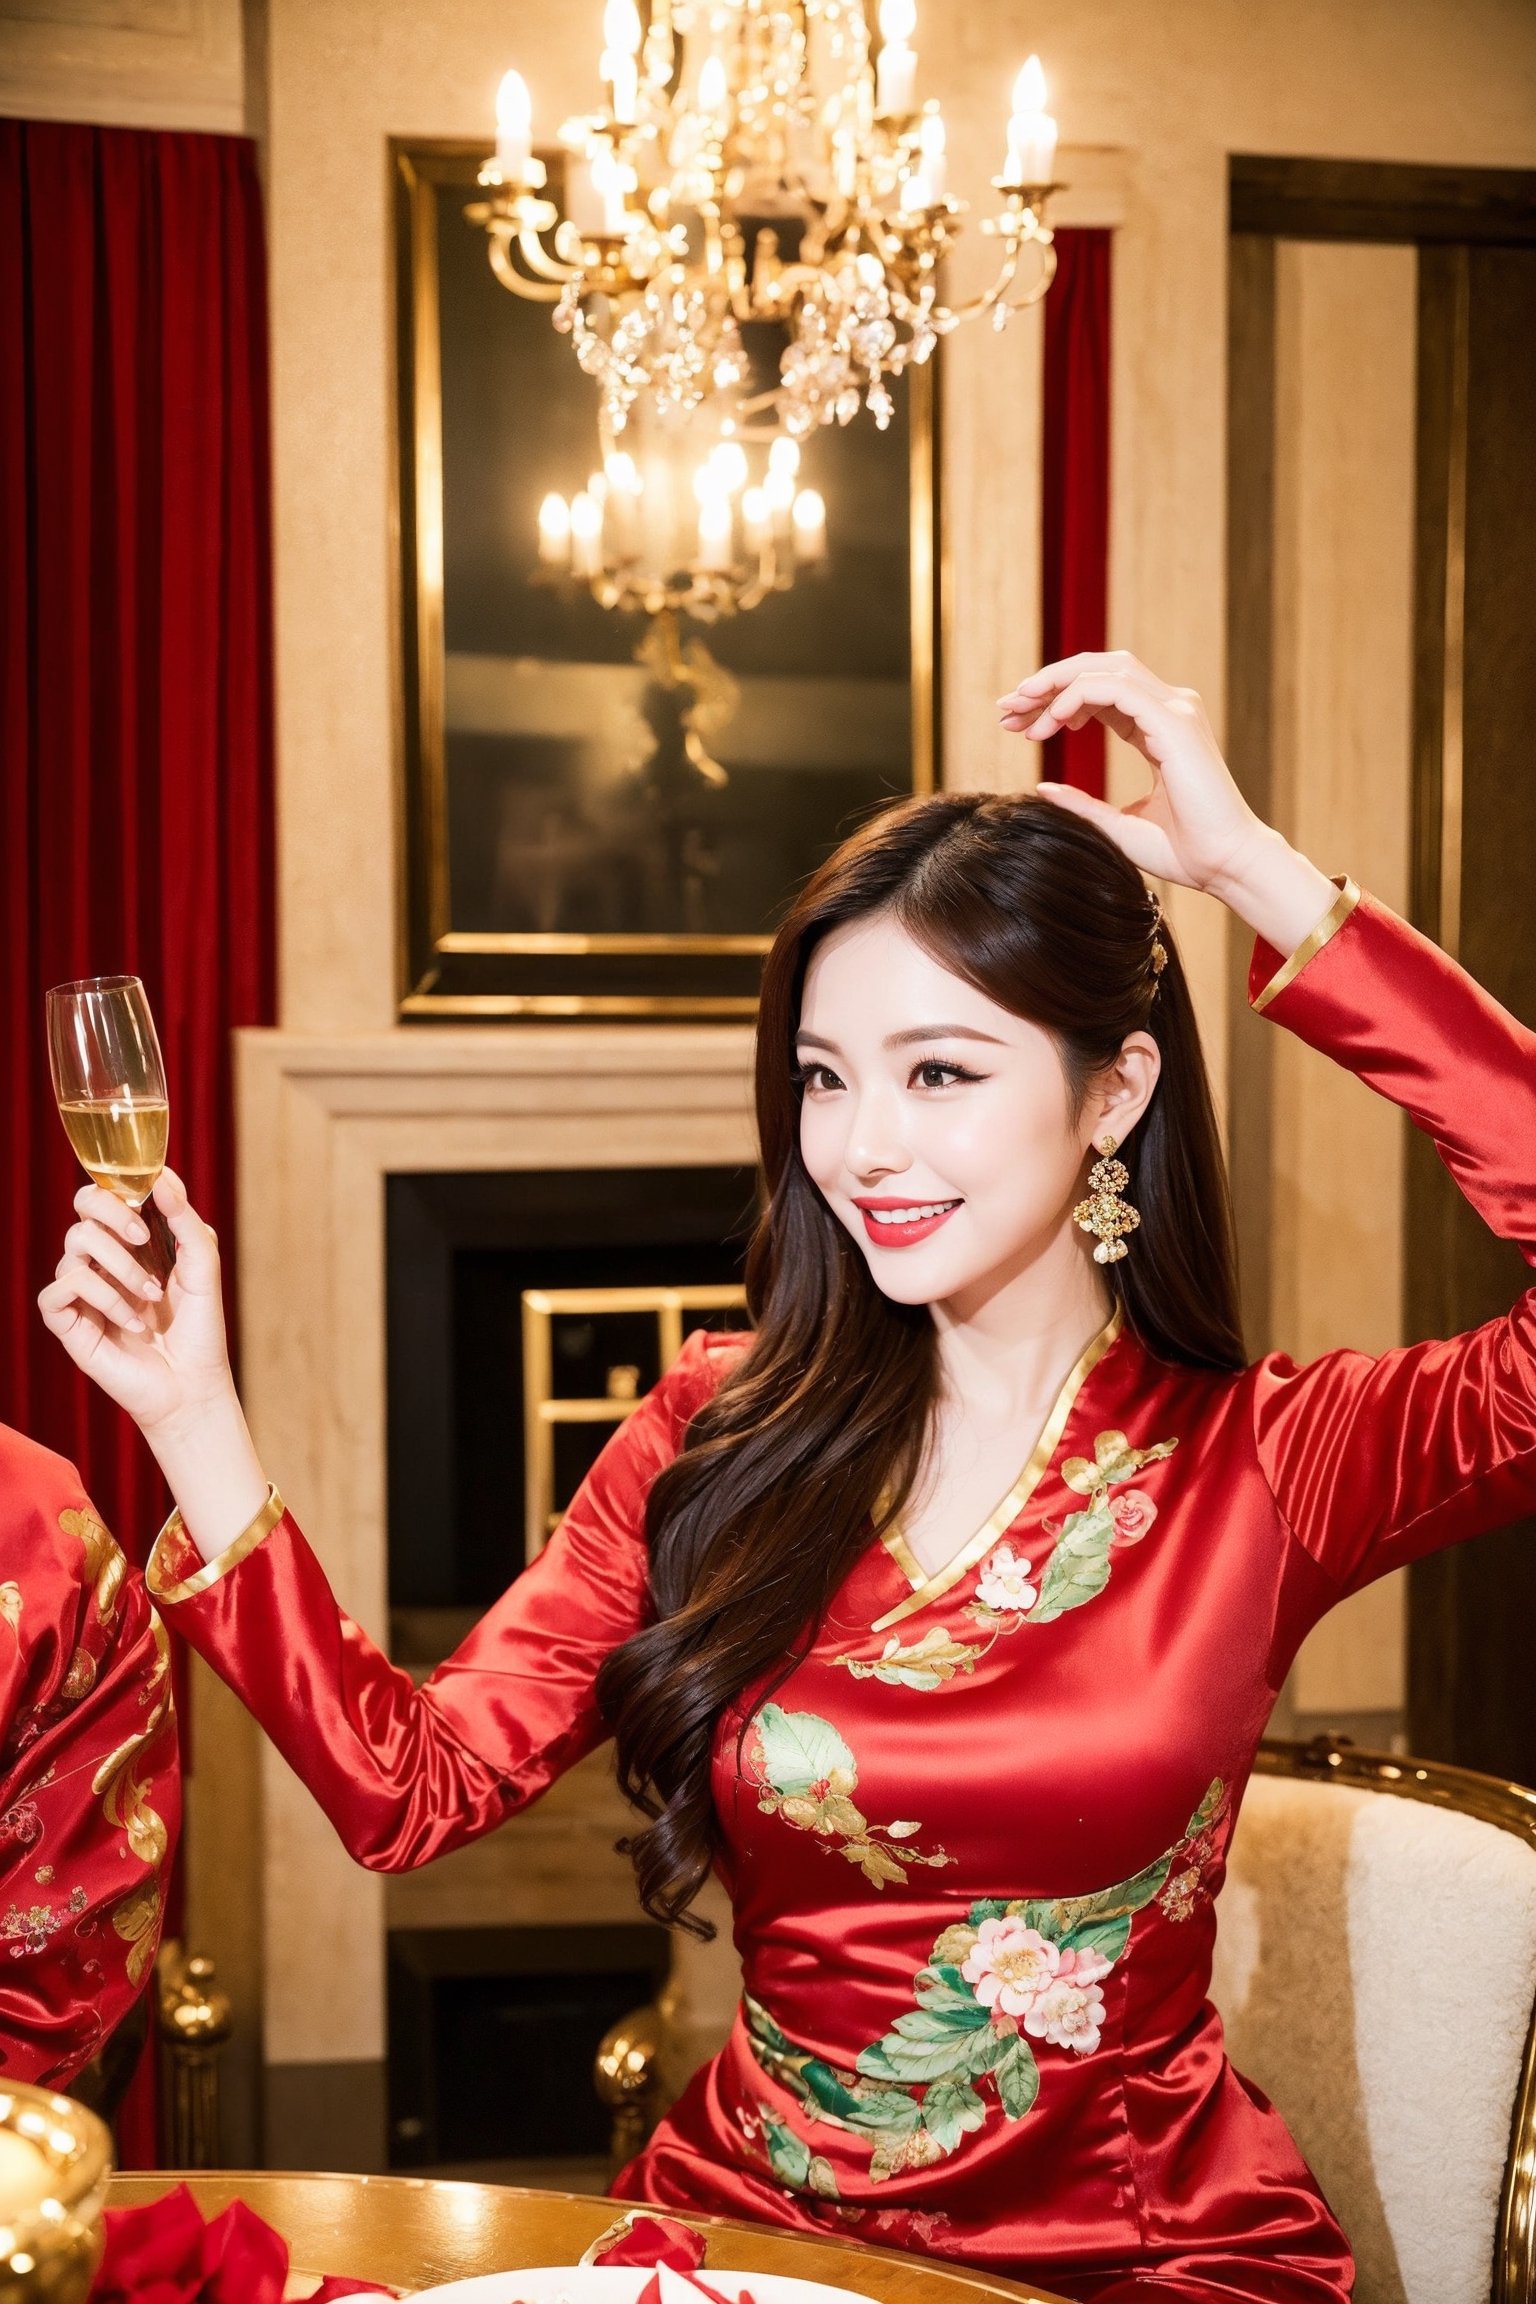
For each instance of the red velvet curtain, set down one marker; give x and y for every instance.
(136, 807)
(1075, 506)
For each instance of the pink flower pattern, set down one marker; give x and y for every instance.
(1133, 1513)
(1055, 1995)
(1070, 2010)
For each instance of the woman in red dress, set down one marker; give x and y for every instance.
(967, 1768)
(90, 1783)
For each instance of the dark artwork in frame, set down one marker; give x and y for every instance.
(564, 855)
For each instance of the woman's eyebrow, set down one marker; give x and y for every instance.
(908, 1039)
(942, 1032)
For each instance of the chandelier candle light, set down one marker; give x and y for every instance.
(751, 167)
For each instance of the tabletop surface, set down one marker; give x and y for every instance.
(415, 2232)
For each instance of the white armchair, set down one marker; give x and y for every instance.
(1376, 1973)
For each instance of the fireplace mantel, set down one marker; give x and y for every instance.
(322, 1123)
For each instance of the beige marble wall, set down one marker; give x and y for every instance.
(1344, 484)
(131, 63)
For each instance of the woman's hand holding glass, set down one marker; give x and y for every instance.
(158, 1350)
(1194, 826)
(160, 1353)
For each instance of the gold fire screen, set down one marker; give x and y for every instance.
(604, 815)
(546, 1410)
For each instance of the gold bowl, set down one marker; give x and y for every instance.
(55, 2159)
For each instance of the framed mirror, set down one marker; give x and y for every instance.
(605, 814)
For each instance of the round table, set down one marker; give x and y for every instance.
(413, 2232)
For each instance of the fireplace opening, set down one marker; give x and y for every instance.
(462, 1250)
(493, 2036)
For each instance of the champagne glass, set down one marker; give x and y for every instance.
(109, 1084)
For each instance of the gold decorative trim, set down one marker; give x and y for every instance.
(680, 1007)
(569, 944)
(926, 1588)
(1490, 1800)
(1309, 947)
(166, 1595)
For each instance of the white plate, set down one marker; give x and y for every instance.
(621, 2284)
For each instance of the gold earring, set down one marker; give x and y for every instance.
(1104, 1213)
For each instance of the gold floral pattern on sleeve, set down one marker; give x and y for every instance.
(105, 1568)
(124, 1796)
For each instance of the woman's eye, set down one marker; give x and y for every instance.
(816, 1077)
(925, 1072)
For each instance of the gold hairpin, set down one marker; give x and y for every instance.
(1159, 949)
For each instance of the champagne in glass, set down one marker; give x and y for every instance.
(109, 1083)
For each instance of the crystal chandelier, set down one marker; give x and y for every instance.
(755, 222)
(758, 163)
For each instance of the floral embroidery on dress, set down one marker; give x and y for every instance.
(1009, 1974)
(805, 1772)
(10, 1604)
(787, 2157)
(29, 1931)
(1196, 1857)
(917, 2231)
(21, 1826)
(1013, 1589)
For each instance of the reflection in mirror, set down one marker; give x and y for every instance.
(606, 811)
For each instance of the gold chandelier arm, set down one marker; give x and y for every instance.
(997, 295)
(532, 291)
(542, 265)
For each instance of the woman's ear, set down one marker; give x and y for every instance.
(1124, 1091)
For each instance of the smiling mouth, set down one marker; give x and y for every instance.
(902, 1225)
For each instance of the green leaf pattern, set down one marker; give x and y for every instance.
(805, 1773)
(1010, 1970)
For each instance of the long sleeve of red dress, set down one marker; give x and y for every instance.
(974, 1841)
(90, 1789)
(406, 1773)
(1376, 1461)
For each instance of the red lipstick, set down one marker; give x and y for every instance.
(907, 1235)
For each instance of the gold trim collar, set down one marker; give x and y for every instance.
(166, 1594)
(926, 1588)
(1332, 920)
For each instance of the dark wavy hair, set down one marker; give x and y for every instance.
(756, 1523)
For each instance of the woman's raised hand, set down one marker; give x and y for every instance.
(1194, 826)
(160, 1353)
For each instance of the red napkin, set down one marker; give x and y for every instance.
(660, 2240)
(656, 2240)
(164, 2253)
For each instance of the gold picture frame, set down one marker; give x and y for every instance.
(454, 969)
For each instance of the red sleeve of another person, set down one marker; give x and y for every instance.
(90, 1792)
